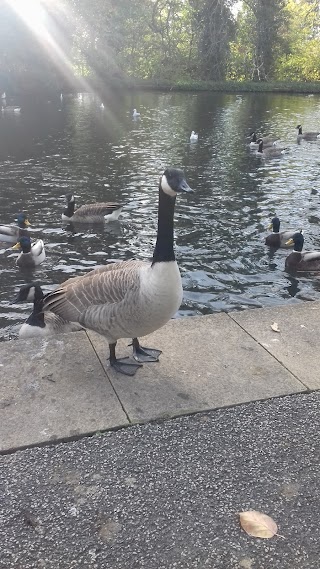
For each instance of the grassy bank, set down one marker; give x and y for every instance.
(225, 86)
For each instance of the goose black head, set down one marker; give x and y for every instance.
(23, 220)
(69, 198)
(173, 182)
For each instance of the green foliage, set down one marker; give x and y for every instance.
(179, 44)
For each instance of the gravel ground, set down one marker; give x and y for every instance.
(167, 495)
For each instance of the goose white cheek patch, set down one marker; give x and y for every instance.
(166, 188)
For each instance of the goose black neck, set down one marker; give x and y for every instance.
(299, 129)
(37, 316)
(163, 250)
(69, 211)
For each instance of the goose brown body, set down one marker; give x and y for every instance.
(91, 213)
(311, 135)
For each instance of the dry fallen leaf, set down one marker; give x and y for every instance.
(258, 524)
(275, 327)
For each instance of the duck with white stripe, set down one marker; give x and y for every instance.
(301, 261)
(31, 255)
(278, 238)
(41, 323)
(11, 233)
(91, 213)
(132, 298)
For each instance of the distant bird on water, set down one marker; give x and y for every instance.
(91, 213)
(278, 238)
(135, 114)
(194, 137)
(31, 255)
(11, 233)
(307, 135)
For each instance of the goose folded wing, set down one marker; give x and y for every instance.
(99, 209)
(104, 286)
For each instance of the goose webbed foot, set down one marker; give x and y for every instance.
(125, 367)
(142, 354)
(122, 365)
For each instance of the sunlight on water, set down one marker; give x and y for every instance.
(104, 155)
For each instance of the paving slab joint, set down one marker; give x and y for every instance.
(307, 389)
(110, 379)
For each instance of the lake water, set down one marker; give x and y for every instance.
(52, 148)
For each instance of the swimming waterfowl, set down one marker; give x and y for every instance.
(298, 261)
(131, 298)
(91, 213)
(267, 141)
(31, 255)
(194, 137)
(306, 135)
(41, 323)
(135, 114)
(278, 238)
(270, 151)
(11, 233)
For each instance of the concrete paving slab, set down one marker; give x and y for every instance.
(296, 346)
(167, 495)
(207, 362)
(53, 388)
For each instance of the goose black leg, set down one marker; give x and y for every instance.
(142, 354)
(122, 365)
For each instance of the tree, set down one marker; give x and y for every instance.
(218, 27)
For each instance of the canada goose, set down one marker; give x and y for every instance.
(11, 233)
(129, 298)
(31, 255)
(270, 151)
(278, 238)
(307, 261)
(135, 114)
(306, 135)
(91, 213)
(41, 323)
(267, 141)
(194, 137)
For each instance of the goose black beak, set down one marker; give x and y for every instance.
(183, 187)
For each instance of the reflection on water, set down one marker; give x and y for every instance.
(52, 148)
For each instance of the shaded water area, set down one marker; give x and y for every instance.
(53, 148)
